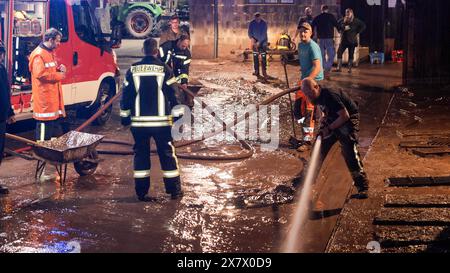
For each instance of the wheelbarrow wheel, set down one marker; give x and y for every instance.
(85, 168)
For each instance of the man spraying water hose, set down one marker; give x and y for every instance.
(340, 122)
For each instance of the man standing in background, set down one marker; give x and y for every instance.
(351, 27)
(257, 32)
(173, 33)
(308, 18)
(325, 24)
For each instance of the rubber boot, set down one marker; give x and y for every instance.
(256, 66)
(3, 190)
(362, 185)
(264, 66)
(339, 66)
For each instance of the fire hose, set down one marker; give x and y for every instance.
(249, 150)
(243, 155)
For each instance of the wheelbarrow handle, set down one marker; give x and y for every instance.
(21, 139)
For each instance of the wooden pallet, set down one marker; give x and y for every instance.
(418, 181)
(425, 152)
(413, 217)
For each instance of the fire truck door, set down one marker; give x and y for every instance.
(86, 45)
(58, 18)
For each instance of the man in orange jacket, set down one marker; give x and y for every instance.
(48, 103)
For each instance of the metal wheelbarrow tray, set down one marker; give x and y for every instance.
(70, 148)
(73, 147)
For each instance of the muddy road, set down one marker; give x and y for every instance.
(229, 206)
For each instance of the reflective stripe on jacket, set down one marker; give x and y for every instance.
(148, 98)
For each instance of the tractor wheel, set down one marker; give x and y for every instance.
(139, 23)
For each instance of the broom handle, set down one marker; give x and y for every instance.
(21, 139)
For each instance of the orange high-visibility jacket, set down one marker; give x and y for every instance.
(48, 103)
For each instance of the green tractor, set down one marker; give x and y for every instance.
(140, 18)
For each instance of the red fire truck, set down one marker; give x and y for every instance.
(92, 70)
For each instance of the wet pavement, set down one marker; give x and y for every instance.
(402, 219)
(229, 206)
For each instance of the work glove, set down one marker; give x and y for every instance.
(178, 112)
(325, 131)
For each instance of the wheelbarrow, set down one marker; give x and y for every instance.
(74, 148)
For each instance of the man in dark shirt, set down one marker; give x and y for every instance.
(6, 112)
(257, 32)
(325, 24)
(350, 28)
(340, 122)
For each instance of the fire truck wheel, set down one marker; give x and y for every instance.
(105, 94)
(139, 23)
(85, 168)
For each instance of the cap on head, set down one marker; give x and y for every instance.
(51, 34)
(257, 14)
(306, 26)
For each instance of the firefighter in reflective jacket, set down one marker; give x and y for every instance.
(148, 105)
(48, 103)
(178, 56)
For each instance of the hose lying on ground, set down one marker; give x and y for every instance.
(249, 150)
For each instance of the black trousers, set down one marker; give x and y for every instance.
(45, 130)
(115, 24)
(262, 50)
(167, 158)
(351, 51)
(2, 139)
(347, 136)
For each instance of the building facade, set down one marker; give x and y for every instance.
(219, 27)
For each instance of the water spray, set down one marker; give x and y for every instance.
(295, 239)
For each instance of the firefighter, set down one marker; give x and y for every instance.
(310, 58)
(46, 74)
(48, 102)
(148, 105)
(340, 122)
(6, 112)
(178, 56)
(174, 31)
